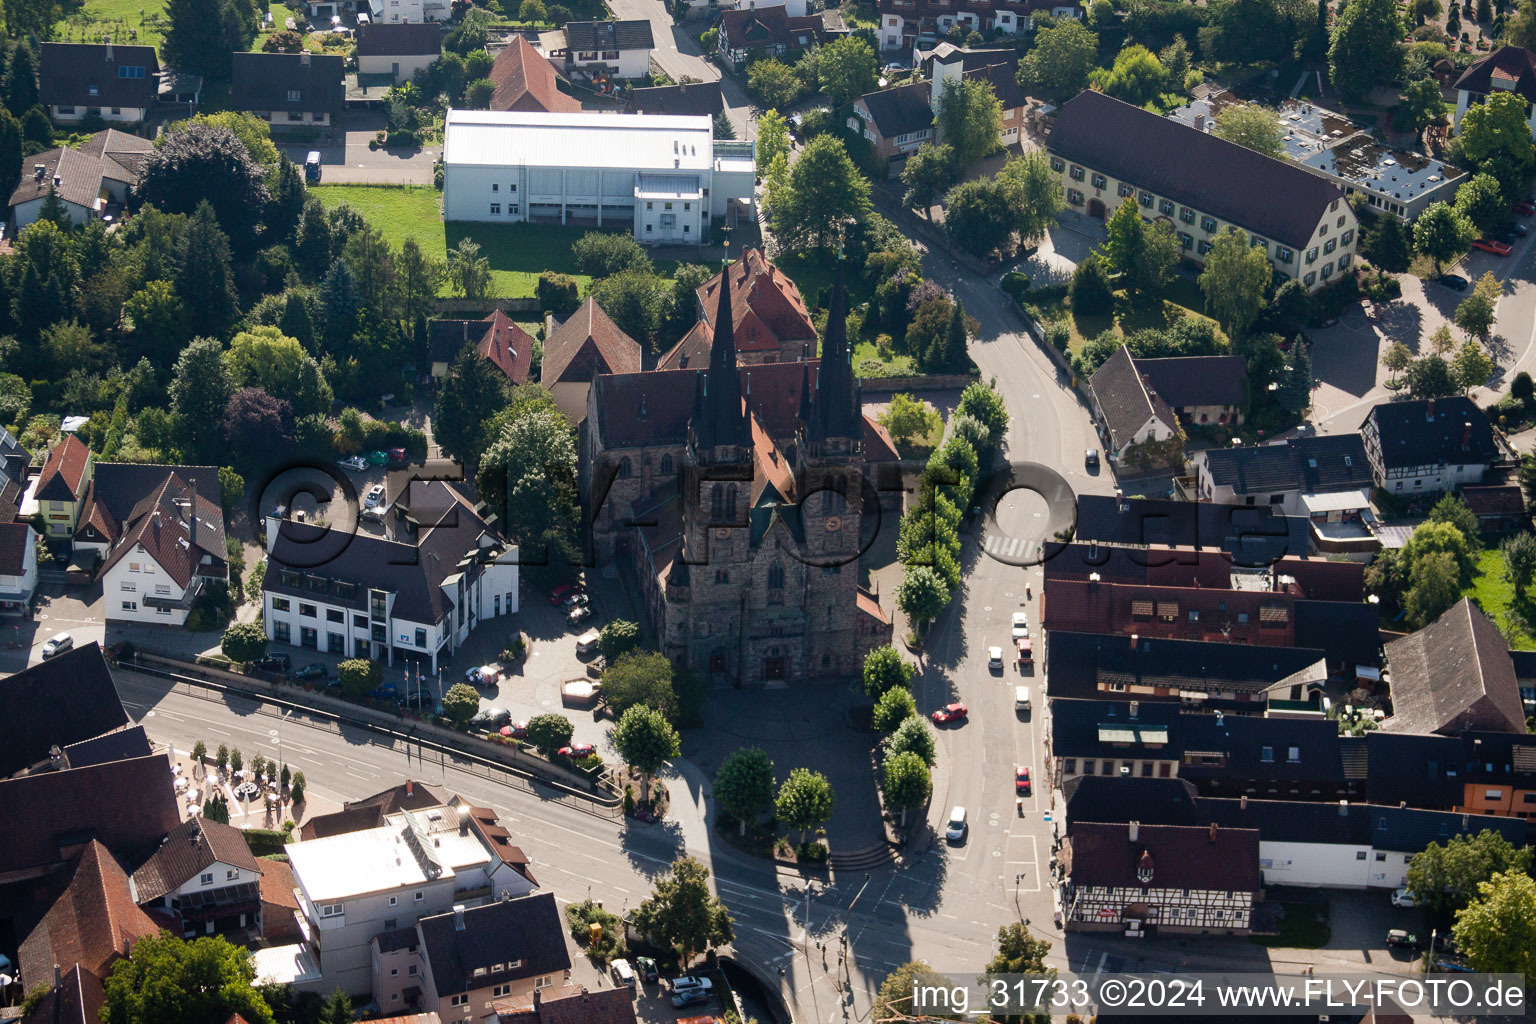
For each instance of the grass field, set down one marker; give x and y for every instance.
(138, 21)
(518, 252)
(1496, 597)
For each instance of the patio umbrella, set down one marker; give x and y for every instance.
(506, 730)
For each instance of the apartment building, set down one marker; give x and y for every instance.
(1106, 151)
(905, 24)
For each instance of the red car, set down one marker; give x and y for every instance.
(950, 713)
(1524, 208)
(558, 596)
(578, 750)
(519, 730)
(1021, 780)
(1494, 246)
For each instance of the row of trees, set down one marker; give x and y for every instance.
(908, 752)
(744, 788)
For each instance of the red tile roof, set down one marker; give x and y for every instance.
(176, 527)
(93, 922)
(190, 849)
(585, 345)
(765, 304)
(1182, 857)
(1505, 500)
(525, 80)
(64, 470)
(79, 996)
(15, 540)
(869, 604)
(507, 346)
(568, 1004)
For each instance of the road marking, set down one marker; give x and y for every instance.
(130, 704)
(312, 761)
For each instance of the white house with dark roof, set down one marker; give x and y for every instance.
(499, 950)
(1105, 152)
(1427, 446)
(1508, 69)
(90, 180)
(205, 876)
(398, 49)
(1130, 412)
(610, 49)
(106, 80)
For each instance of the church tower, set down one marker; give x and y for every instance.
(830, 446)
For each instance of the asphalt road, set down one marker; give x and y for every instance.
(678, 54)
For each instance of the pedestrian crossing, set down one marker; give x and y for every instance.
(1012, 550)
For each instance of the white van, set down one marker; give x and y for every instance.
(1021, 698)
(957, 828)
(587, 642)
(623, 974)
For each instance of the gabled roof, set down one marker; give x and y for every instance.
(405, 39)
(525, 80)
(16, 539)
(1452, 675)
(690, 98)
(587, 344)
(568, 1004)
(1186, 381)
(1003, 76)
(763, 299)
(507, 347)
(1253, 536)
(190, 849)
(62, 474)
(108, 747)
(176, 527)
(264, 82)
(93, 922)
(1113, 800)
(119, 486)
(109, 155)
(1124, 399)
(747, 28)
(57, 702)
(1112, 728)
(1333, 462)
(1181, 857)
(1494, 501)
(1076, 663)
(122, 76)
(407, 796)
(1273, 198)
(634, 34)
(899, 111)
(1322, 580)
(528, 932)
(1445, 431)
(77, 999)
(1512, 66)
(1078, 561)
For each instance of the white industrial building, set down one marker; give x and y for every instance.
(664, 176)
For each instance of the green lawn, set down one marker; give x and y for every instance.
(518, 252)
(1181, 298)
(117, 18)
(1496, 597)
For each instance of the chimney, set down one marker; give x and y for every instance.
(1343, 808)
(410, 787)
(39, 171)
(109, 52)
(57, 181)
(1429, 410)
(1135, 706)
(1242, 802)
(1134, 638)
(1213, 831)
(1466, 435)
(1402, 805)
(1135, 830)
(458, 917)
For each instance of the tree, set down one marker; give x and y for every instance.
(805, 800)
(640, 677)
(557, 294)
(1018, 952)
(257, 426)
(1497, 929)
(906, 782)
(1475, 315)
(1519, 552)
(912, 736)
(10, 151)
(1396, 359)
(979, 216)
(468, 397)
(1123, 240)
(1136, 76)
(1235, 279)
(199, 753)
(548, 733)
(1480, 200)
(204, 280)
(1063, 55)
(645, 739)
(1390, 246)
(895, 999)
(925, 334)
(1431, 377)
(1522, 388)
(221, 758)
(357, 676)
(773, 83)
(845, 69)
(533, 11)
(969, 119)
(983, 402)
(206, 163)
(200, 393)
(156, 320)
(468, 271)
(1490, 141)
(823, 195)
(886, 669)
(202, 35)
(204, 981)
(244, 642)
(1364, 48)
(683, 914)
(216, 808)
(1091, 291)
(894, 707)
(617, 638)
(605, 253)
(460, 704)
(1251, 125)
(1295, 393)
(528, 477)
(637, 301)
(1292, 308)
(337, 1008)
(264, 357)
(772, 136)
(1158, 260)
(722, 126)
(1444, 877)
(1424, 102)
(928, 174)
(1472, 367)
(909, 418)
(744, 784)
(922, 594)
(1434, 587)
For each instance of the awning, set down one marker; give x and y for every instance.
(1336, 501)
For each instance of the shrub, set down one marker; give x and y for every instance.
(557, 293)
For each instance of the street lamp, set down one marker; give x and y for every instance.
(847, 913)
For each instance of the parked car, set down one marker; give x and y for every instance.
(646, 967)
(483, 675)
(576, 751)
(1524, 208)
(1454, 282)
(1403, 898)
(374, 497)
(308, 672)
(1091, 460)
(377, 458)
(578, 615)
(1026, 648)
(576, 600)
(516, 730)
(692, 997)
(1402, 938)
(273, 663)
(623, 974)
(57, 644)
(354, 462)
(690, 982)
(559, 594)
(1494, 246)
(995, 658)
(1020, 625)
(950, 713)
(384, 691)
(1021, 780)
(397, 457)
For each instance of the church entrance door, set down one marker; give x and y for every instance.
(773, 668)
(717, 661)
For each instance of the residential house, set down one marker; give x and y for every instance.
(505, 949)
(91, 181)
(907, 24)
(1203, 391)
(501, 343)
(1507, 69)
(370, 812)
(1160, 879)
(1252, 537)
(377, 598)
(586, 345)
(770, 31)
(526, 80)
(18, 567)
(1453, 675)
(691, 99)
(75, 997)
(62, 484)
(1107, 151)
(772, 322)
(1132, 740)
(1500, 508)
(446, 339)
(796, 8)
(604, 50)
(356, 886)
(56, 703)
(1430, 445)
(1137, 425)
(391, 12)
(567, 1004)
(288, 90)
(279, 905)
(998, 68)
(204, 877)
(105, 80)
(398, 49)
(895, 122)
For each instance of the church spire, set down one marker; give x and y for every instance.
(836, 411)
(719, 419)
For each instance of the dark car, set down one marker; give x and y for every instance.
(1091, 460)
(273, 663)
(1454, 282)
(308, 672)
(645, 967)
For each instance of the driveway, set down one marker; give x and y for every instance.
(345, 158)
